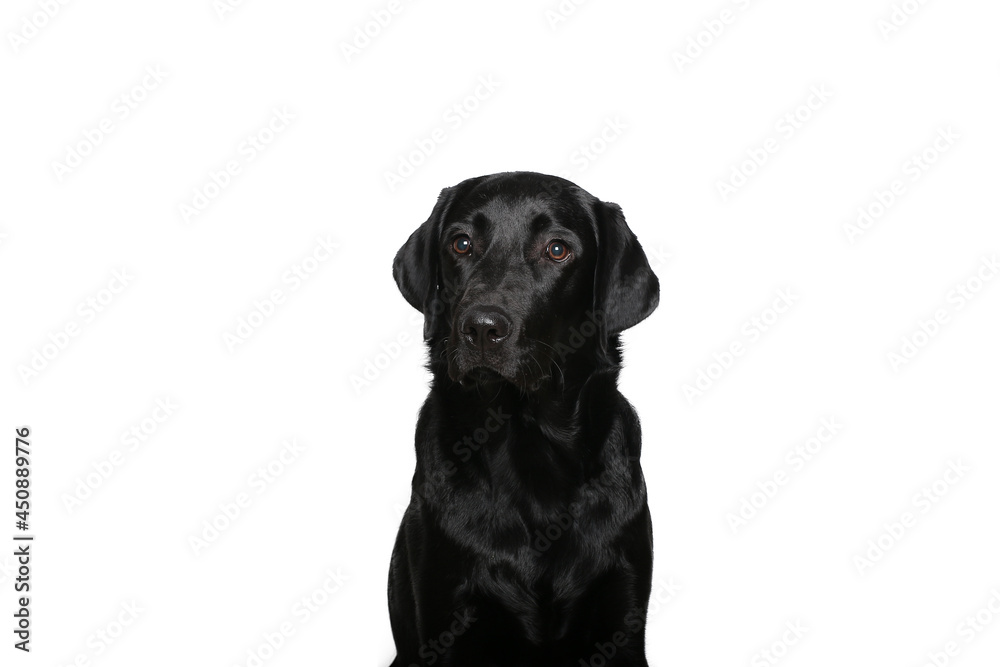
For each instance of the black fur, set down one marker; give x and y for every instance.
(528, 539)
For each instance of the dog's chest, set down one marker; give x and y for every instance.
(538, 523)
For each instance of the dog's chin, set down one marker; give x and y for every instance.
(489, 377)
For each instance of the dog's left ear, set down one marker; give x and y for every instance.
(417, 269)
(626, 290)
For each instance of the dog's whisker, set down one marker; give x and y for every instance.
(562, 375)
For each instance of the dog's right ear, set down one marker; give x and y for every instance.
(417, 269)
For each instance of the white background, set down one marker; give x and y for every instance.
(662, 134)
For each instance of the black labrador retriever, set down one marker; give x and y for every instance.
(527, 540)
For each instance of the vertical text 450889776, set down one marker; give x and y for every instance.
(22, 543)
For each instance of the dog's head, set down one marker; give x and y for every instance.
(515, 271)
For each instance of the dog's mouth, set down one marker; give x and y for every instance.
(523, 376)
(482, 375)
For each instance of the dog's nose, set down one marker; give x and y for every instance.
(484, 328)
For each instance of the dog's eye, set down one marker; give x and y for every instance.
(462, 244)
(557, 250)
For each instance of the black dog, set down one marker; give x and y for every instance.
(527, 540)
